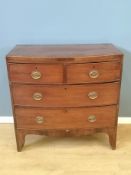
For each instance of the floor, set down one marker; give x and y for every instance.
(65, 156)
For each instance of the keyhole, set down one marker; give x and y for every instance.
(93, 67)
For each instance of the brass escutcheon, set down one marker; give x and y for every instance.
(94, 74)
(37, 96)
(36, 75)
(92, 95)
(39, 119)
(92, 118)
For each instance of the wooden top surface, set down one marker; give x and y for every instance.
(71, 53)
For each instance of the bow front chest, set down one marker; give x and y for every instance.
(65, 89)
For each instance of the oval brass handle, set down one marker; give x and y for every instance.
(37, 96)
(39, 119)
(92, 118)
(94, 74)
(92, 95)
(36, 75)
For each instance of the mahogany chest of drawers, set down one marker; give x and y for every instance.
(65, 89)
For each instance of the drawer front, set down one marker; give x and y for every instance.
(66, 95)
(70, 118)
(36, 73)
(93, 72)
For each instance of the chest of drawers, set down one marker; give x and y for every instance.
(65, 90)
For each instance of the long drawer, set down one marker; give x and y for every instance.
(68, 118)
(65, 95)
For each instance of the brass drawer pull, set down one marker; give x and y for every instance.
(37, 96)
(92, 118)
(92, 95)
(36, 75)
(39, 119)
(94, 74)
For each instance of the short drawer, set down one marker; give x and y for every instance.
(68, 118)
(65, 95)
(94, 72)
(36, 73)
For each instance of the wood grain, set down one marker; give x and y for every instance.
(50, 74)
(66, 95)
(79, 73)
(64, 53)
(65, 85)
(69, 118)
